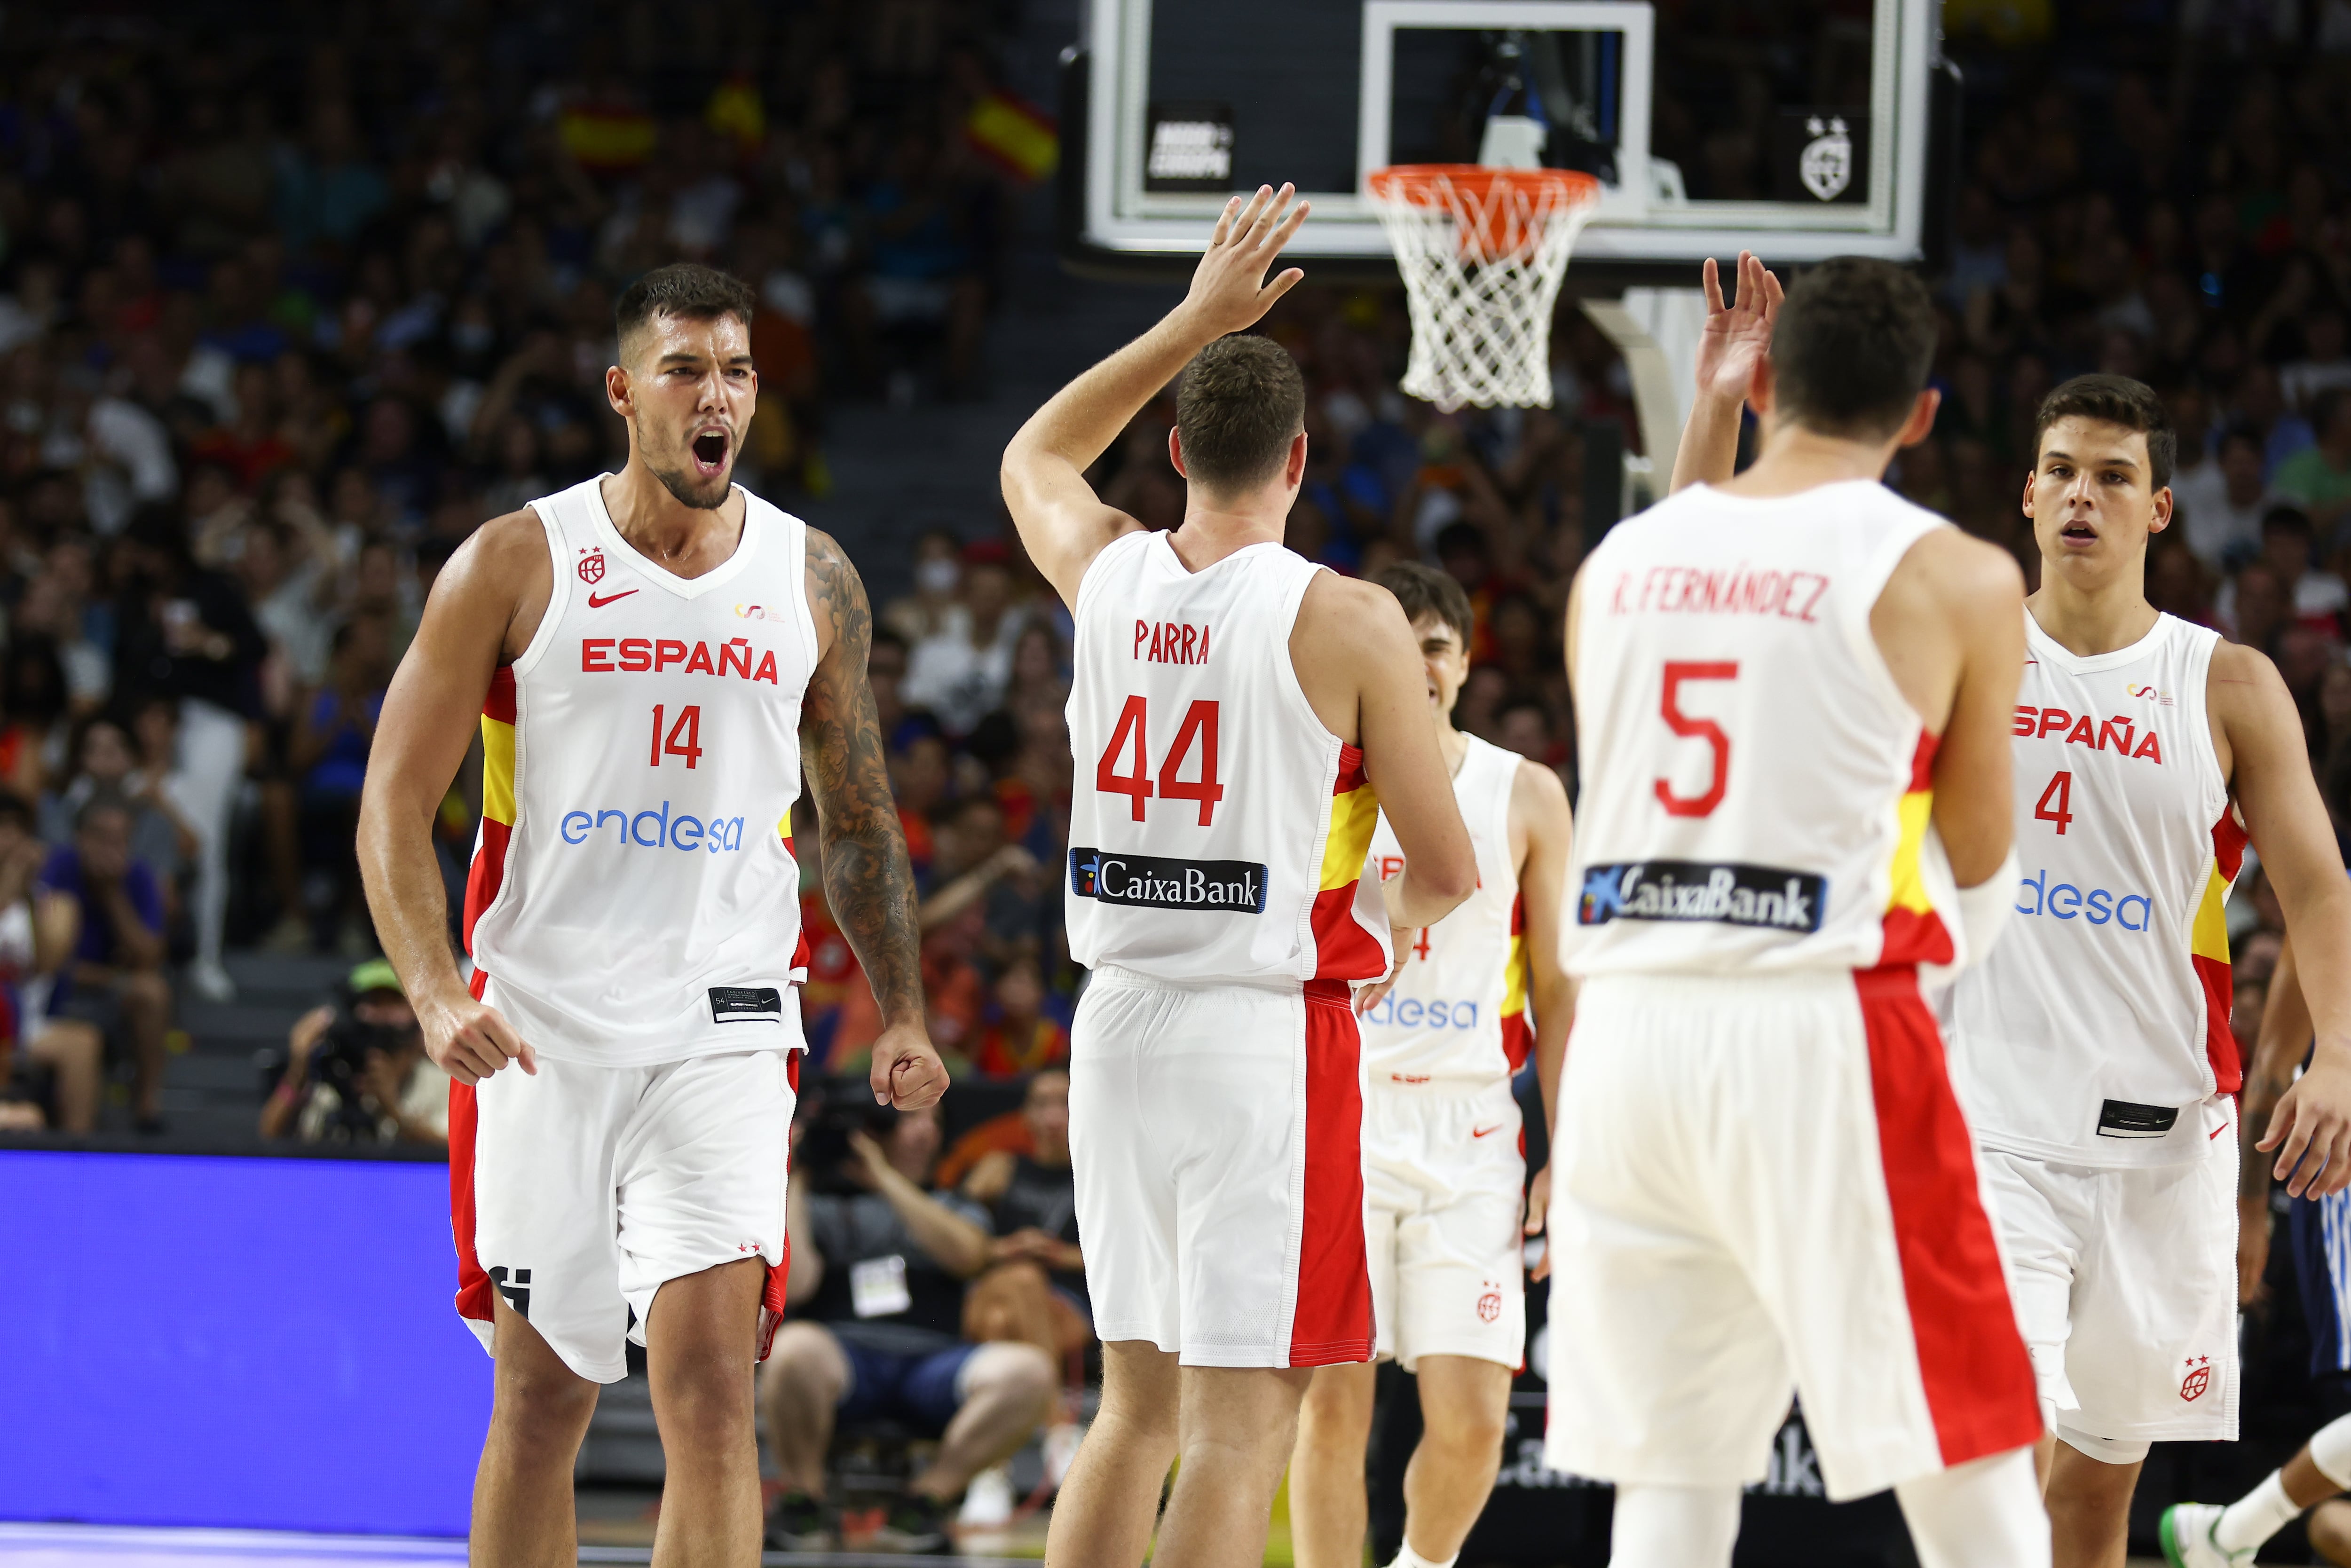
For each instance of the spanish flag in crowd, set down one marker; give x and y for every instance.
(1014, 134)
(736, 112)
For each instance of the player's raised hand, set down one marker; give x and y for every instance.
(907, 1071)
(1230, 290)
(1737, 336)
(2311, 1130)
(469, 1040)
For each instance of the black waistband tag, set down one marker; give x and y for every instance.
(745, 1004)
(2121, 1119)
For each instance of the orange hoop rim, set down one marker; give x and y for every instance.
(1421, 184)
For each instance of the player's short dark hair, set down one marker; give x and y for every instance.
(686, 290)
(1241, 404)
(1853, 346)
(1425, 591)
(2113, 400)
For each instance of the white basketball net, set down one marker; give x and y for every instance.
(1482, 258)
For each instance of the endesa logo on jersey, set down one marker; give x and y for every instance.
(1413, 1012)
(2035, 896)
(1150, 881)
(1768, 896)
(653, 829)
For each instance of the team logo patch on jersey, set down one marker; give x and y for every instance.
(2121, 1119)
(1151, 882)
(1490, 1304)
(592, 566)
(1771, 898)
(745, 1004)
(2199, 1378)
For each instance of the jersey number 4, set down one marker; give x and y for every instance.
(1198, 728)
(2057, 804)
(1669, 706)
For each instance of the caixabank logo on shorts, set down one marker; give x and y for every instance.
(1771, 898)
(1151, 882)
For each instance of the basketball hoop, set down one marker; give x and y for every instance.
(1482, 252)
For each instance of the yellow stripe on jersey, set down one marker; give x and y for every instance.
(497, 770)
(1354, 815)
(1909, 891)
(1514, 975)
(2209, 937)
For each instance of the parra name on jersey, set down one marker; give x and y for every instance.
(1768, 896)
(1171, 643)
(1152, 881)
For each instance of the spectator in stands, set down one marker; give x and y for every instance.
(1035, 1289)
(327, 756)
(960, 670)
(50, 1068)
(356, 1071)
(876, 1293)
(2318, 477)
(1016, 1037)
(115, 981)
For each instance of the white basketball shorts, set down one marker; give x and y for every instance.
(579, 1192)
(1443, 1189)
(1215, 1130)
(1760, 1184)
(2127, 1288)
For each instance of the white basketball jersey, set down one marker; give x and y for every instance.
(633, 892)
(1216, 829)
(1459, 1010)
(1756, 790)
(2097, 1031)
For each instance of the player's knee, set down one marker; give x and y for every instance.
(2330, 1531)
(1470, 1432)
(545, 1407)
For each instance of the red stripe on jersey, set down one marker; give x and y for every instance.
(499, 704)
(2219, 1039)
(1332, 1322)
(801, 952)
(2229, 845)
(1971, 1359)
(1922, 762)
(772, 1296)
(1517, 1040)
(487, 873)
(1914, 936)
(475, 1299)
(1343, 950)
(1350, 769)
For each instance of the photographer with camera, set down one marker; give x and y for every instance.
(356, 1071)
(875, 1295)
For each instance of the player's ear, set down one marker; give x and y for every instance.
(618, 392)
(1921, 423)
(2161, 519)
(1761, 389)
(1294, 473)
(1175, 450)
(2030, 475)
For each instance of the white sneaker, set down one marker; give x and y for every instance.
(988, 1500)
(2187, 1537)
(210, 981)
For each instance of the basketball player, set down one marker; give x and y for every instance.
(1794, 692)
(1443, 1160)
(652, 654)
(2205, 1535)
(1238, 718)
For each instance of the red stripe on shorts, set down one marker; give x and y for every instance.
(772, 1298)
(475, 1299)
(1331, 1323)
(1971, 1359)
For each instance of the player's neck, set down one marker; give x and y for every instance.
(1794, 460)
(664, 529)
(1451, 744)
(2088, 620)
(1210, 533)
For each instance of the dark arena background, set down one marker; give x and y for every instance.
(294, 297)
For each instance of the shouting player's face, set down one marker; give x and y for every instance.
(689, 392)
(2092, 501)
(1444, 658)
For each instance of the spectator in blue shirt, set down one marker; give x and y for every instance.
(115, 980)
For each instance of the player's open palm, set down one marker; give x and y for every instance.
(469, 1040)
(2311, 1131)
(1737, 336)
(1230, 289)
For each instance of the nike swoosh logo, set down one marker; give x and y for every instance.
(1481, 1131)
(2216, 1132)
(596, 604)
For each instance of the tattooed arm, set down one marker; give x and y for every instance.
(868, 880)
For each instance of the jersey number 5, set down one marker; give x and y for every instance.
(1199, 727)
(1688, 729)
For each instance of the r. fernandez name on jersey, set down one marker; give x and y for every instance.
(1152, 881)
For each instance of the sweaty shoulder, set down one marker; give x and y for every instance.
(500, 576)
(1345, 629)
